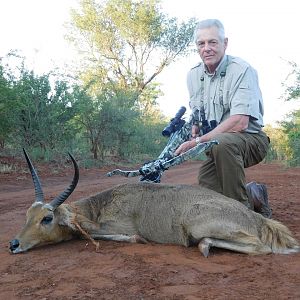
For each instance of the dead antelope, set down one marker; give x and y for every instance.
(176, 214)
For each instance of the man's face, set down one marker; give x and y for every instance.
(210, 47)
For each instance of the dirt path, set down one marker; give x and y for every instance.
(73, 270)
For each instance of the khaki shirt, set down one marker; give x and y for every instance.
(235, 93)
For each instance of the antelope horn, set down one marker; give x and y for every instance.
(64, 195)
(39, 195)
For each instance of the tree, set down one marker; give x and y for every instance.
(279, 148)
(292, 83)
(291, 125)
(291, 128)
(112, 124)
(44, 111)
(7, 108)
(127, 43)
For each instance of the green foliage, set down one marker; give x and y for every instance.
(291, 125)
(292, 84)
(292, 130)
(111, 111)
(7, 105)
(278, 149)
(36, 111)
(127, 44)
(285, 140)
(113, 124)
(44, 113)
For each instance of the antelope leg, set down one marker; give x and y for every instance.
(243, 247)
(120, 238)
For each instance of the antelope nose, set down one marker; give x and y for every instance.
(13, 244)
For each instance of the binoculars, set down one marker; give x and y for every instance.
(208, 127)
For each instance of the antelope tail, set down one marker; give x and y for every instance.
(279, 238)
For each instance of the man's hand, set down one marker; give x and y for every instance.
(235, 123)
(185, 147)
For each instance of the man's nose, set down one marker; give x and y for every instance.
(206, 47)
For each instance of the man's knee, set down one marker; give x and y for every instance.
(227, 147)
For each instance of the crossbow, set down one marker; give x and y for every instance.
(178, 132)
(153, 170)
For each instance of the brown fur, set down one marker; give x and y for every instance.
(176, 214)
(278, 237)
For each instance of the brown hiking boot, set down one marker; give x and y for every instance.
(258, 195)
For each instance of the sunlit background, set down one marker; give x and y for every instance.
(263, 33)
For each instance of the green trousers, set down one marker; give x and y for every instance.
(223, 171)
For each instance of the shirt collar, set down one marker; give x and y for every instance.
(220, 68)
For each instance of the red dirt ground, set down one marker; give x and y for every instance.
(73, 270)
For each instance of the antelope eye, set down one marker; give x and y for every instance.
(46, 220)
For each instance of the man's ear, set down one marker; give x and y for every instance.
(225, 43)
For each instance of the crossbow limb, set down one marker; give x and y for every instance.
(160, 165)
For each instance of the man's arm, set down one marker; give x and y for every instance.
(235, 123)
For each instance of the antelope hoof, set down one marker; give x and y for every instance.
(138, 239)
(204, 247)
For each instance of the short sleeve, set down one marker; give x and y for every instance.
(246, 98)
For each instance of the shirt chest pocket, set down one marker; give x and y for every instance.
(221, 103)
